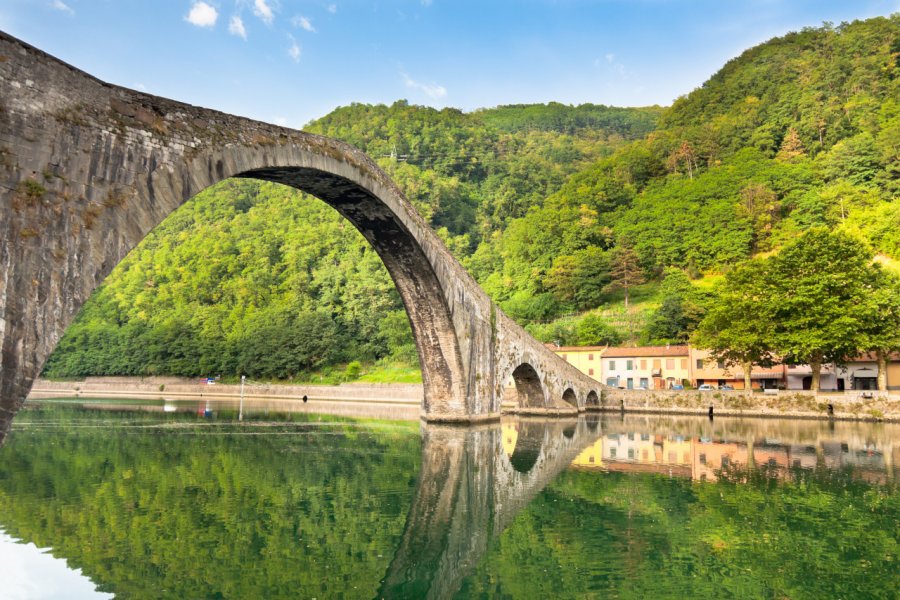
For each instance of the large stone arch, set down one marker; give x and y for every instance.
(87, 169)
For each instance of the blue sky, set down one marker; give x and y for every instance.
(290, 61)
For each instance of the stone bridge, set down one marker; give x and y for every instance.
(473, 483)
(87, 169)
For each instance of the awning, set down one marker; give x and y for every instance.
(766, 374)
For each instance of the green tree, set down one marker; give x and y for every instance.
(818, 291)
(883, 323)
(625, 271)
(737, 328)
(593, 330)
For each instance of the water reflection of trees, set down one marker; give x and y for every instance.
(213, 511)
(328, 509)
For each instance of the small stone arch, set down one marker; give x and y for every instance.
(592, 400)
(529, 391)
(569, 397)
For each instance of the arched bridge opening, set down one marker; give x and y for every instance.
(529, 391)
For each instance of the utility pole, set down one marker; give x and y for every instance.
(241, 413)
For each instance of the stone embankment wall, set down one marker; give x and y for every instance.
(175, 388)
(855, 405)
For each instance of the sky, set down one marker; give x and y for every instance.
(291, 61)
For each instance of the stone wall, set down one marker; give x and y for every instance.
(851, 405)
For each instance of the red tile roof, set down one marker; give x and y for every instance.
(556, 348)
(647, 351)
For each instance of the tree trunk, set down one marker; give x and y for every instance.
(748, 383)
(816, 366)
(626, 297)
(882, 371)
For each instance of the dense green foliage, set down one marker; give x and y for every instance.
(537, 201)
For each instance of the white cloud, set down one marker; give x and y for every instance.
(303, 23)
(202, 15)
(433, 90)
(332, 8)
(236, 27)
(262, 10)
(609, 63)
(62, 6)
(294, 51)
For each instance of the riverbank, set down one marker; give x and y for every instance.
(851, 406)
(780, 404)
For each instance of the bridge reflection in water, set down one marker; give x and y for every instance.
(473, 482)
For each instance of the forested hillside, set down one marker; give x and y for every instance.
(556, 210)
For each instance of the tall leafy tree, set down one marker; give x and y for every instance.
(819, 291)
(884, 321)
(625, 271)
(737, 328)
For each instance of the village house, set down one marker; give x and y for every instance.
(861, 373)
(708, 370)
(584, 358)
(648, 367)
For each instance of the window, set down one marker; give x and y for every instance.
(591, 459)
(671, 457)
(612, 381)
(590, 357)
(612, 365)
(645, 383)
(645, 454)
(612, 452)
(703, 459)
(670, 364)
(699, 363)
(590, 372)
(725, 461)
(720, 364)
(657, 364)
(629, 365)
(643, 364)
(684, 364)
(629, 383)
(631, 454)
(645, 437)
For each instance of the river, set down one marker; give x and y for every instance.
(136, 499)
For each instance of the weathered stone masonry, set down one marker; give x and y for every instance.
(87, 169)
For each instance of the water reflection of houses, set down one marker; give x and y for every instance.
(705, 459)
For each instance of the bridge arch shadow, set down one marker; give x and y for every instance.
(528, 389)
(569, 397)
(592, 400)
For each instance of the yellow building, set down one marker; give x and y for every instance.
(584, 358)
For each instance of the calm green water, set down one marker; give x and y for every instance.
(152, 504)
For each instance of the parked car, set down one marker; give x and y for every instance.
(706, 387)
(726, 387)
(677, 386)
